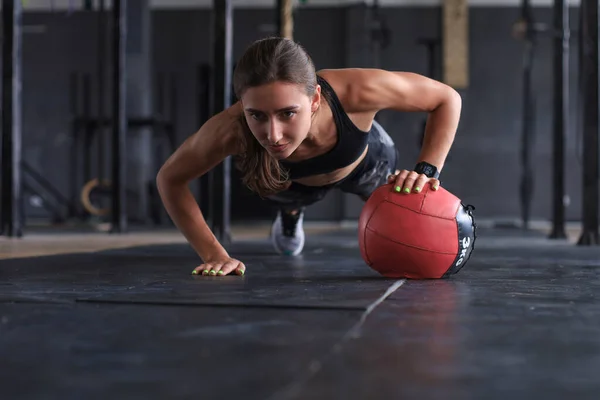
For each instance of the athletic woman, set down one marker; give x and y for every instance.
(296, 134)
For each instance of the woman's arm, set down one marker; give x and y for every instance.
(217, 138)
(372, 90)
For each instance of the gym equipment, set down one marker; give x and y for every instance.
(222, 66)
(204, 107)
(86, 128)
(589, 78)
(427, 235)
(285, 20)
(53, 200)
(528, 30)
(455, 43)
(119, 114)
(10, 181)
(561, 115)
(528, 127)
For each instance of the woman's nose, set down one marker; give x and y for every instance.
(274, 134)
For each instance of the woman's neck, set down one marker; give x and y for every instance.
(321, 137)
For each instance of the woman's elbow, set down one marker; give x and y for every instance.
(454, 98)
(163, 179)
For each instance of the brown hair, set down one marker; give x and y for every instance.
(265, 61)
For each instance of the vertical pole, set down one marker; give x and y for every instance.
(173, 108)
(375, 33)
(589, 73)
(87, 127)
(561, 114)
(526, 184)
(11, 190)
(140, 104)
(119, 139)
(101, 99)
(74, 103)
(204, 88)
(222, 61)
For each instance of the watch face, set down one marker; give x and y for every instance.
(426, 169)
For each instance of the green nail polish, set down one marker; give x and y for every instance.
(220, 273)
(212, 273)
(435, 188)
(194, 272)
(397, 188)
(242, 272)
(417, 189)
(406, 190)
(204, 272)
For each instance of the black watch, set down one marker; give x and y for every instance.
(427, 169)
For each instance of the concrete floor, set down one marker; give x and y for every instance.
(521, 320)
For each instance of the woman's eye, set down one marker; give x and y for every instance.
(289, 114)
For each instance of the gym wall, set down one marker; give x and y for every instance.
(175, 4)
(483, 167)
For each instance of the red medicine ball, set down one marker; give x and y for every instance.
(425, 235)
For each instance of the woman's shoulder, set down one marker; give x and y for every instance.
(350, 77)
(229, 127)
(353, 86)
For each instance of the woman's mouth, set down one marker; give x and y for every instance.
(278, 148)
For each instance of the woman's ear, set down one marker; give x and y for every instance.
(316, 100)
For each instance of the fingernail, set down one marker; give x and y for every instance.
(417, 189)
(397, 188)
(194, 272)
(406, 190)
(435, 188)
(220, 273)
(213, 273)
(204, 272)
(241, 272)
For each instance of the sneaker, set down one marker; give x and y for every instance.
(287, 234)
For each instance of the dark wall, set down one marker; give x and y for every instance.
(483, 167)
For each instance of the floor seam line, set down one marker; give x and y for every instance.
(294, 388)
(354, 331)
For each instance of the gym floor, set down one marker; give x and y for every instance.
(97, 316)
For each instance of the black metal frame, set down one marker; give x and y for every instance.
(101, 53)
(589, 75)
(526, 185)
(561, 115)
(85, 127)
(204, 101)
(222, 66)
(11, 221)
(560, 32)
(119, 108)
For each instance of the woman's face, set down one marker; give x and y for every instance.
(279, 116)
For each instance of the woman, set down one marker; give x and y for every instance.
(296, 134)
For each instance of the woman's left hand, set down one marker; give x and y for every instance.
(411, 182)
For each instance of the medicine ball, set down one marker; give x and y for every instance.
(425, 235)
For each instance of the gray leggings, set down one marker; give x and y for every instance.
(381, 160)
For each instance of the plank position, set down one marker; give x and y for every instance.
(296, 134)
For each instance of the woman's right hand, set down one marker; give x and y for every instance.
(220, 266)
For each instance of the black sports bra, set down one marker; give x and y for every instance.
(351, 142)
